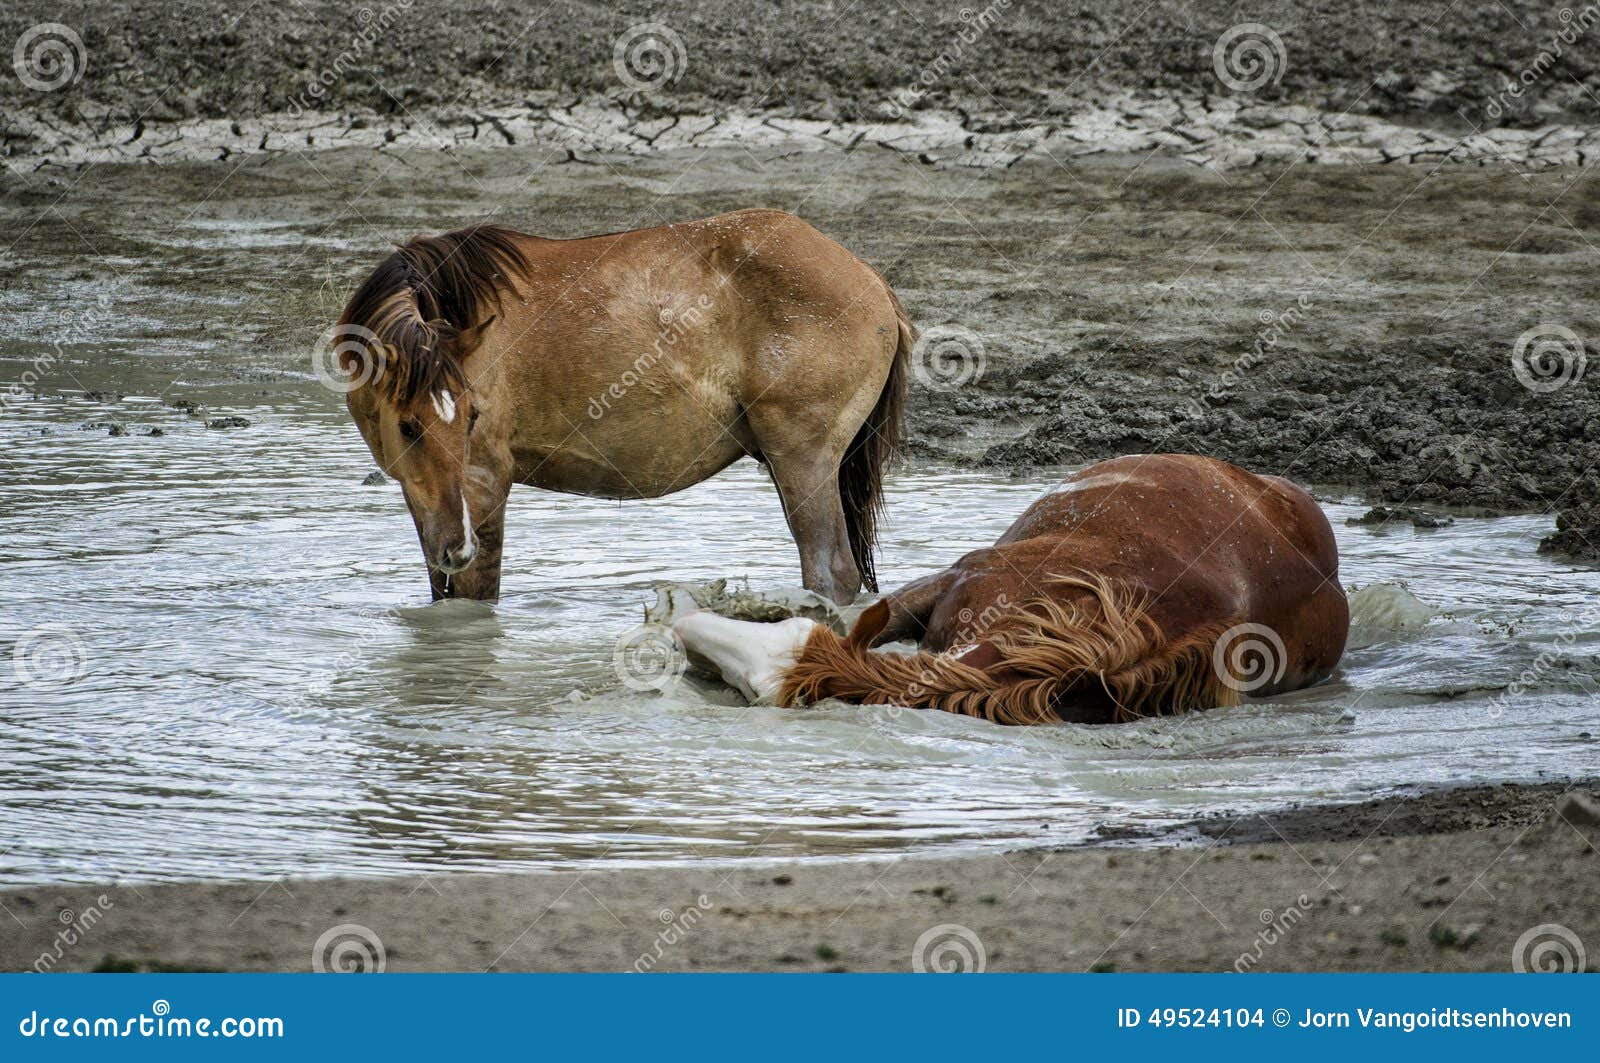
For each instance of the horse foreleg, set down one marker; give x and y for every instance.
(809, 490)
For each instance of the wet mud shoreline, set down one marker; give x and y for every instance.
(1450, 881)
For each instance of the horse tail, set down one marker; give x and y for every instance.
(875, 445)
(417, 304)
(1096, 655)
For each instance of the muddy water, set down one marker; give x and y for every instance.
(233, 670)
(217, 657)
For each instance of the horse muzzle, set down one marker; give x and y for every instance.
(455, 558)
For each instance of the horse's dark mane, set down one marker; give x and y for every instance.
(421, 298)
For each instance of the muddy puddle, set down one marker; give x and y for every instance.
(236, 672)
(232, 669)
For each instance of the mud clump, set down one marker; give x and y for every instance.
(1468, 808)
(766, 607)
(1577, 533)
(1381, 516)
(1414, 422)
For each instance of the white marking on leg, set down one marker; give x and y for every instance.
(750, 656)
(444, 404)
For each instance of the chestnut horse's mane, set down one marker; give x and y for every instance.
(1099, 648)
(424, 296)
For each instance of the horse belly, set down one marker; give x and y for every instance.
(652, 449)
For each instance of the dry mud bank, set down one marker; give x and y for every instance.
(811, 58)
(1219, 133)
(1415, 890)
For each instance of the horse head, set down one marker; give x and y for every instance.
(418, 413)
(427, 441)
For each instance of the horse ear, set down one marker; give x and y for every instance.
(872, 620)
(467, 339)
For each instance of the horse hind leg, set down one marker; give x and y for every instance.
(808, 486)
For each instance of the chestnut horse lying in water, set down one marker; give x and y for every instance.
(629, 365)
(1142, 586)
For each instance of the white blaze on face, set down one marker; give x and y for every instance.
(750, 656)
(444, 404)
(466, 527)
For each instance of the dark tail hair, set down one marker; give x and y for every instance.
(875, 445)
(421, 299)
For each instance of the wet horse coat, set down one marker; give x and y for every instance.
(1144, 585)
(630, 365)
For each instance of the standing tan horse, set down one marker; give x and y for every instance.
(629, 365)
(1144, 585)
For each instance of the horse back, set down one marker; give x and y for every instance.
(1202, 540)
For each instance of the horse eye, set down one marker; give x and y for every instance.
(410, 429)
